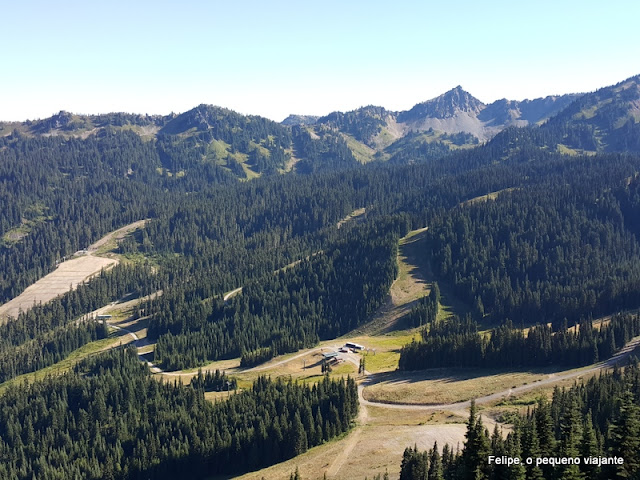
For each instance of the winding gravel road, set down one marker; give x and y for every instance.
(370, 379)
(554, 378)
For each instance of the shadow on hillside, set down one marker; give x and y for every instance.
(448, 375)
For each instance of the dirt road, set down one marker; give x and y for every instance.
(618, 358)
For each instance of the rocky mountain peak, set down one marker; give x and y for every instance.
(447, 105)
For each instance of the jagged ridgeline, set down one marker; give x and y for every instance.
(322, 297)
(113, 420)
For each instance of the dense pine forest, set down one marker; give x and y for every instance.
(108, 419)
(49, 348)
(544, 253)
(210, 236)
(322, 297)
(457, 343)
(536, 242)
(593, 420)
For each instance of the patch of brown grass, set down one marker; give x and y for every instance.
(443, 386)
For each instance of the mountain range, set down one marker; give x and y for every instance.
(602, 121)
(528, 224)
(453, 112)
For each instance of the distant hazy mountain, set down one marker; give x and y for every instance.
(249, 146)
(527, 112)
(68, 124)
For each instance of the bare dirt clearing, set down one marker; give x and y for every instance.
(68, 274)
(486, 198)
(411, 283)
(110, 240)
(353, 215)
(364, 452)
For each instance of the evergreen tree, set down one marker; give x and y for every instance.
(299, 442)
(570, 434)
(625, 435)
(415, 465)
(513, 450)
(531, 449)
(589, 448)
(476, 447)
(435, 464)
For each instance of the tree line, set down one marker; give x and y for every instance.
(457, 343)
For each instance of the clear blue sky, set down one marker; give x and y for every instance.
(280, 57)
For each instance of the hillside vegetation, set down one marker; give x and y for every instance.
(534, 265)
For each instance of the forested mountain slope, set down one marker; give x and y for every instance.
(545, 252)
(554, 240)
(608, 119)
